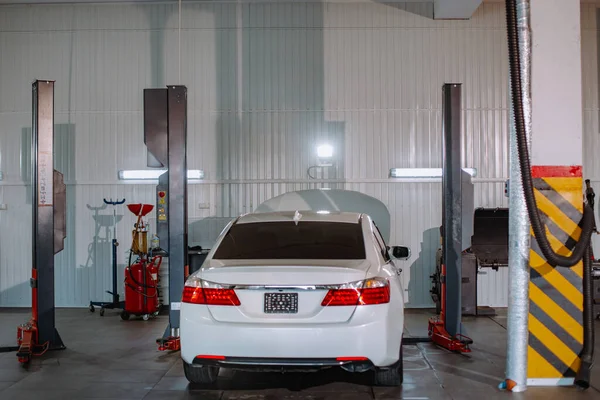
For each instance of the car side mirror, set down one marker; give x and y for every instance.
(401, 252)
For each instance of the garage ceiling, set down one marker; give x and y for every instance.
(455, 9)
(443, 9)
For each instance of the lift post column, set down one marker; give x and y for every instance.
(446, 329)
(43, 214)
(165, 135)
(177, 202)
(555, 321)
(48, 227)
(452, 207)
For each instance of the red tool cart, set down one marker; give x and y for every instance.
(141, 277)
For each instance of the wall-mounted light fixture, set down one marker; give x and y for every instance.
(153, 174)
(325, 155)
(325, 151)
(424, 172)
(324, 161)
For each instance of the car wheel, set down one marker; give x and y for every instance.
(200, 374)
(392, 375)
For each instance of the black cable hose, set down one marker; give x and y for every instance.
(539, 228)
(582, 249)
(587, 355)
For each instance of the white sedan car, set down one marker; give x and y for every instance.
(295, 291)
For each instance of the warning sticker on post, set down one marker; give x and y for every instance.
(176, 306)
(45, 179)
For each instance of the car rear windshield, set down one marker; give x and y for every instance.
(286, 240)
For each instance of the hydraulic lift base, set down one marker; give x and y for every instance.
(439, 336)
(27, 339)
(169, 344)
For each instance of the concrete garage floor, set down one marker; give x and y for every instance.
(107, 358)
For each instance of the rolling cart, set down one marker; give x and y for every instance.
(141, 277)
(115, 303)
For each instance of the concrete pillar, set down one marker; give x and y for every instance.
(556, 83)
(555, 294)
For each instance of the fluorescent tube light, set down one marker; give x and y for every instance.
(153, 174)
(195, 174)
(424, 172)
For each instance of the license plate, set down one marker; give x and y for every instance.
(281, 303)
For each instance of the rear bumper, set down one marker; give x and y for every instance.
(285, 364)
(373, 332)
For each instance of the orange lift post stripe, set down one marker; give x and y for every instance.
(557, 280)
(556, 215)
(552, 342)
(538, 367)
(568, 196)
(568, 189)
(556, 299)
(558, 315)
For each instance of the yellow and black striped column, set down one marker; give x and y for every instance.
(555, 294)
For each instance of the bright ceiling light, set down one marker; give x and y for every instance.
(153, 174)
(323, 212)
(325, 151)
(424, 172)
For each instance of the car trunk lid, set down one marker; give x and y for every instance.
(285, 292)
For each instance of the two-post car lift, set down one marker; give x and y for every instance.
(165, 135)
(39, 335)
(446, 330)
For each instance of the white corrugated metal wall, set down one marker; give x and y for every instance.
(267, 82)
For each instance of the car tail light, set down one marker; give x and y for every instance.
(210, 357)
(362, 293)
(345, 359)
(197, 291)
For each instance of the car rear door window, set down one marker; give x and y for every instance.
(381, 243)
(286, 240)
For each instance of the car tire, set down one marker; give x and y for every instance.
(392, 375)
(200, 374)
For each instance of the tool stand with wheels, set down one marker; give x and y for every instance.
(115, 303)
(141, 277)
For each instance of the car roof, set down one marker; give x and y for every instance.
(314, 216)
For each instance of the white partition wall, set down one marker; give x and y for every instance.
(268, 82)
